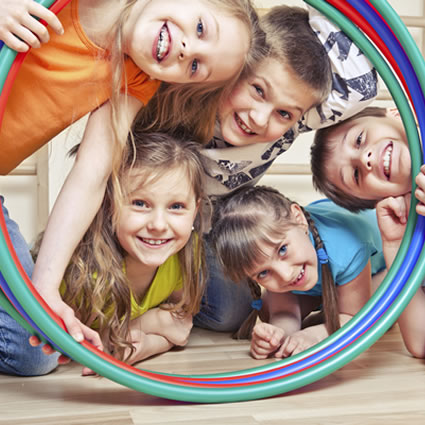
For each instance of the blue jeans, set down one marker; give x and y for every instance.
(225, 304)
(17, 357)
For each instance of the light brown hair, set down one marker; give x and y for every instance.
(254, 214)
(100, 253)
(291, 41)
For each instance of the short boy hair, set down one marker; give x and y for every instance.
(291, 41)
(321, 151)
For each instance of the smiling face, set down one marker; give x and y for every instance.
(291, 263)
(157, 221)
(370, 158)
(265, 105)
(186, 41)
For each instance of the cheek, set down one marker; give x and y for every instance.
(277, 129)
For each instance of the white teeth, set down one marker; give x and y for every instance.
(154, 241)
(301, 274)
(387, 160)
(163, 43)
(243, 126)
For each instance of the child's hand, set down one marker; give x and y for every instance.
(420, 191)
(75, 328)
(19, 27)
(48, 350)
(392, 218)
(266, 339)
(179, 328)
(297, 343)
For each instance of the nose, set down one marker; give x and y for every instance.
(366, 159)
(189, 49)
(284, 272)
(157, 221)
(260, 115)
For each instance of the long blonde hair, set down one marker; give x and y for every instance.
(194, 105)
(254, 214)
(95, 280)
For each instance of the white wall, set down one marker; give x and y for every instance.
(29, 197)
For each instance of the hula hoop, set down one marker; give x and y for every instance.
(379, 313)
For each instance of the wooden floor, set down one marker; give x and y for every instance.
(382, 386)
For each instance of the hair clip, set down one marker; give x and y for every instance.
(257, 304)
(323, 257)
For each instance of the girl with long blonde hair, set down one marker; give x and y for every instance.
(107, 58)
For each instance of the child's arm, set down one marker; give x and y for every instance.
(158, 331)
(351, 298)
(19, 26)
(74, 209)
(392, 218)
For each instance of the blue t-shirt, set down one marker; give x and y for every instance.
(350, 240)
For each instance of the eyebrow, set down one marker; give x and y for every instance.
(270, 88)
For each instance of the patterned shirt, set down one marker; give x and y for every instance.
(354, 86)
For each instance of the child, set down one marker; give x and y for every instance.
(295, 254)
(375, 154)
(285, 95)
(136, 276)
(363, 159)
(84, 70)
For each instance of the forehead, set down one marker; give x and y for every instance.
(150, 178)
(285, 85)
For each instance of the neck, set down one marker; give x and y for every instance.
(97, 18)
(139, 276)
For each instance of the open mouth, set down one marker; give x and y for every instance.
(154, 242)
(299, 277)
(163, 45)
(243, 126)
(387, 160)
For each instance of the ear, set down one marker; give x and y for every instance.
(298, 215)
(393, 112)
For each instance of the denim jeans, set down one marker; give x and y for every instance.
(17, 357)
(225, 304)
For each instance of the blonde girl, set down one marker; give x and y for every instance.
(303, 258)
(108, 62)
(137, 275)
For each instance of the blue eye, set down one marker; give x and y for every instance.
(282, 250)
(139, 203)
(200, 28)
(177, 206)
(259, 90)
(262, 274)
(359, 139)
(284, 114)
(356, 175)
(195, 66)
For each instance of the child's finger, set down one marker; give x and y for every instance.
(87, 371)
(46, 15)
(62, 359)
(34, 341)
(258, 352)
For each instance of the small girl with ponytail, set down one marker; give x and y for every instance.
(304, 258)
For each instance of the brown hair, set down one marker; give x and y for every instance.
(291, 41)
(99, 253)
(254, 214)
(322, 150)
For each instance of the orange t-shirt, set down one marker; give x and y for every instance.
(58, 84)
